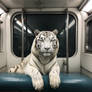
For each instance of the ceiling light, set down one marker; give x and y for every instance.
(1, 11)
(88, 6)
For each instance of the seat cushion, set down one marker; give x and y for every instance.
(69, 83)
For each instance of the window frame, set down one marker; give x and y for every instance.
(46, 12)
(1, 37)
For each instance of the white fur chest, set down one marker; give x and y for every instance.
(43, 68)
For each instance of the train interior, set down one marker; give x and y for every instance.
(72, 18)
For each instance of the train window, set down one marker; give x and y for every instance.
(43, 22)
(88, 41)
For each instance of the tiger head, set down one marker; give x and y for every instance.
(46, 43)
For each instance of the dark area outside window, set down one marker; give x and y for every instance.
(89, 36)
(43, 22)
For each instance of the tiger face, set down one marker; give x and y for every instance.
(47, 43)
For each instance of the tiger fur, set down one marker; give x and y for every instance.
(42, 60)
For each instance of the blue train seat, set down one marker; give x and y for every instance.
(69, 83)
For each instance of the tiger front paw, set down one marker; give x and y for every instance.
(12, 70)
(38, 83)
(54, 80)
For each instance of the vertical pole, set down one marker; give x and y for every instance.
(67, 47)
(0, 37)
(22, 54)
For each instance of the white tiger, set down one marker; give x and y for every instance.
(42, 60)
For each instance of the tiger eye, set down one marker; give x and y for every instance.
(41, 39)
(53, 40)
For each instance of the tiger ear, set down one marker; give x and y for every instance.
(55, 31)
(36, 32)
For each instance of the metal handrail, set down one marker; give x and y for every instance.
(67, 47)
(22, 54)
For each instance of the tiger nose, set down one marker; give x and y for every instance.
(47, 48)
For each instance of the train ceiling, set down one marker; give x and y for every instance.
(14, 4)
